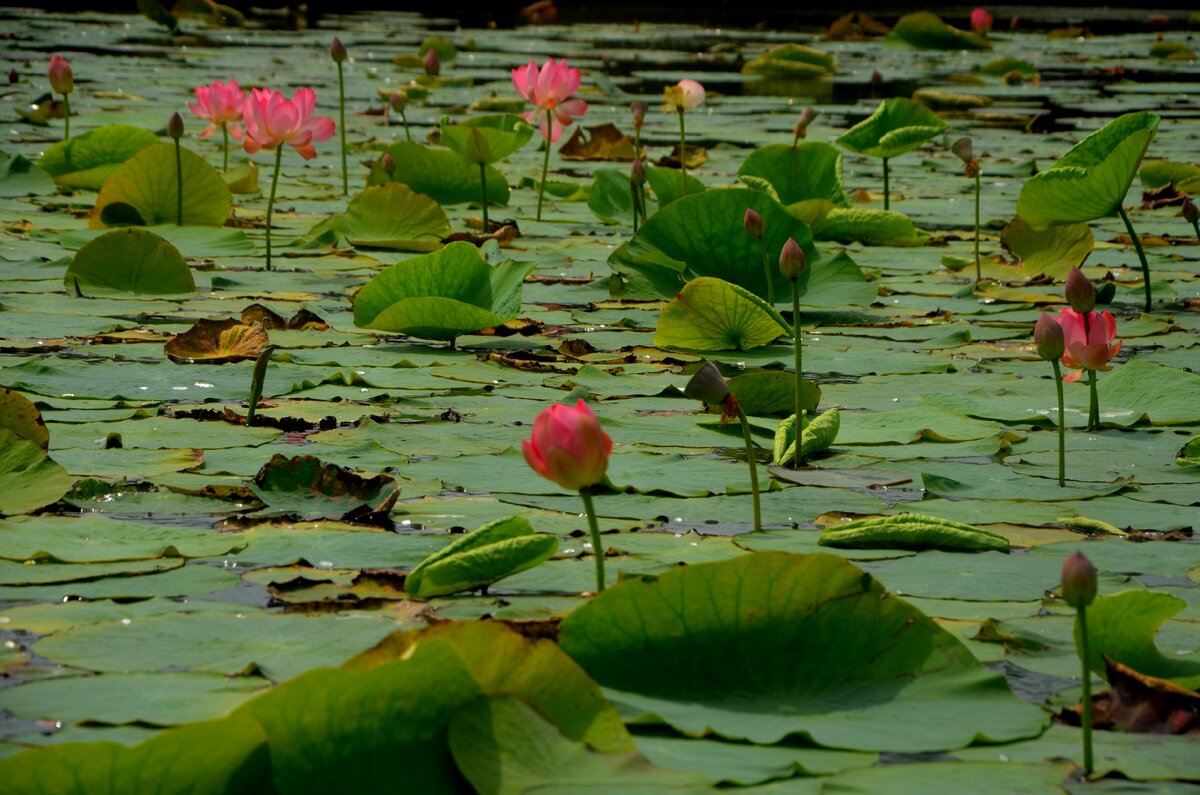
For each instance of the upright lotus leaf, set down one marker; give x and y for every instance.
(926, 30)
(20, 177)
(912, 531)
(897, 126)
(88, 160)
(611, 198)
(128, 261)
(666, 185)
(704, 235)
(393, 216)
(310, 488)
(810, 170)
(440, 174)
(770, 645)
(492, 552)
(791, 60)
(1123, 626)
(818, 435)
(19, 415)
(763, 393)
(442, 295)
(144, 191)
(486, 139)
(217, 342)
(866, 225)
(1092, 179)
(1157, 173)
(29, 479)
(210, 758)
(1189, 454)
(1052, 251)
(709, 314)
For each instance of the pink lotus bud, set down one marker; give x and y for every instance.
(1190, 213)
(1081, 295)
(398, 101)
(638, 109)
(806, 118)
(791, 259)
(62, 79)
(637, 172)
(981, 21)
(337, 50)
(963, 150)
(1078, 581)
(13, 77)
(753, 223)
(175, 126)
(433, 64)
(708, 386)
(568, 446)
(1048, 336)
(388, 164)
(876, 78)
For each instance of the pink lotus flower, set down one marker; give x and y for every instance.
(272, 120)
(981, 21)
(1091, 350)
(62, 79)
(684, 95)
(550, 89)
(568, 447)
(220, 104)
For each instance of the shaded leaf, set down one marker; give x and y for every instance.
(217, 342)
(134, 261)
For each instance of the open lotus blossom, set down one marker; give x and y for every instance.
(272, 120)
(221, 104)
(550, 89)
(981, 21)
(1090, 350)
(684, 95)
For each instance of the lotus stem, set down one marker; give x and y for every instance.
(682, 154)
(257, 378)
(798, 459)
(545, 170)
(597, 544)
(1196, 226)
(1086, 681)
(887, 198)
(225, 136)
(762, 246)
(1062, 427)
(978, 270)
(483, 190)
(342, 127)
(178, 185)
(66, 117)
(635, 196)
(753, 467)
(1137, 245)
(271, 199)
(404, 118)
(1093, 403)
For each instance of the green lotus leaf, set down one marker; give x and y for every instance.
(440, 174)
(666, 185)
(486, 139)
(897, 126)
(611, 197)
(19, 415)
(805, 645)
(144, 191)
(88, 160)
(29, 479)
(446, 51)
(765, 393)
(810, 170)
(1091, 180)
(818, 436)
(442, 295)
(1186, 176)
(1052, 251)
(791, 60)
(709, 314)
(20, 177)
(391, 216)
(999, 67)
(492, 552)
(865, 225)
(937, 99)
(1189, 454)
(926, 30)
(1123, 626)
(128, 261)
(912, 531)
(1172, 51)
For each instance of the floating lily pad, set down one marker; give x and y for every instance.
(710, 314)
(486, 139)
(29, 479)
(912, 531)
(20, 177)
(792, 61)
(771, 392)
(144, 191)
(129, 261)
(88, 160)
(440, 174)
(492, 552)
(217, 342)
(897, 126)
(926, 30)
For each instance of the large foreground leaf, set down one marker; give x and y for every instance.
(713, 315)
(768, 645)
(144, 191)
(811, 170)
(392, 216)
(896, 126)
(1122, 627)
(87, 160)
(28, 478)
(129, 261)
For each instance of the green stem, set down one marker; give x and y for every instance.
(1093, 403)
(635, 197)
(271, 199)
(404, 118)
(1086, 681)
(342, 128)
(545, 167)
(978, 271)
(887, 196)
(1062, 427)
(178, 185)
(256, 382)
(797, 460)
(225, 136)
(483, 190)
(682, 153)
(597, 545)
(637, 142)
(1137, 245)
(66, 117)
(1196, 226)
(753, 467)
(762, 246)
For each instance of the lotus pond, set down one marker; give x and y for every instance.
(240, 473)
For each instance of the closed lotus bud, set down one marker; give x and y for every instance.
(13, 77)
(388, 164)
(1081, 295)
(1048, 335)
(398, 101)
(62, 79)
(791, 259)
(963, 149)
(1105, 293)
(337, 50)
(806, 118)
(433, 64)
(175, 126)
(638, 109)
(637, 172)
(708, 386)
(1190, 213)
(753, 223)
(876, 78)
(1078, 581)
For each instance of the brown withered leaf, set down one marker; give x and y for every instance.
(1147, 240)
(1142, 704)
(504, 234)
(856, 27)
(1163, 196)
(604, 142)
(525, 328)
(259, 315)
(217, 342)
(696, 157)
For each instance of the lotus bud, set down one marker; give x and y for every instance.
(1190, 213)
(981, 21)
(806, 118)
(708, 386)
(791, 260)
(62, 79)
(1081, 295)
(637, 172)
(337, 50)
(433, 64)
(1106, 292)
(175, 126)
(13, 77)
(876, 78)
(398, 101)
(388, 164)
(638, 109)
(1078, 580)
(963, 150)
(753, 223)
(1048, 335)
